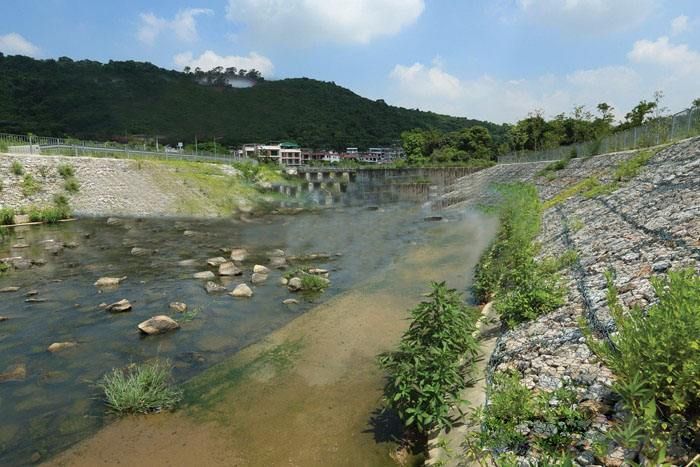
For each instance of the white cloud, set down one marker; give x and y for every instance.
(210, 59)
(588, 16)
(652, 66)
(321, 21)
(183, 25)
(15, 44)
(661, 52)
(679, 25)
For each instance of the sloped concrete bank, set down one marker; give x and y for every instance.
(645, 228)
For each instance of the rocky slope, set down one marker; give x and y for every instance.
(646, 227)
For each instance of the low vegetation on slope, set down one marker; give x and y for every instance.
(521, 287)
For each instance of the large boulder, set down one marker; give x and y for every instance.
(158, 325)
(119, 307)
(242, 290)
(239, 254)
(258, 278)
(109, 281)
(294, 284)
(59, 346)
(204, 275)
(259, 269)
(214, 262)
(228, 268)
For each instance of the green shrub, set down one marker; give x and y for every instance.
(144, 388)
(50, 214)
(427, 372)
(6, 216)
(249, 170)
(630, 168)
(71, 185)
(508, 273)
(4, 147)
(655, 356)
(516, 419)
(17, 168)
(66, 171)
(30, 185)
(564, 261)
(311, 282)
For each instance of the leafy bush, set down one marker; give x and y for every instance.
(66, 171)
(427, 372)
(51, 214)
(249, 170)
(30, 185)
(311, 282)
(6, 216)
(17, 168)
(144, 388)
(565, 260)
(656, 358)
(508, 273)
(516, 419)
(71, 185)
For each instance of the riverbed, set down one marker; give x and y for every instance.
(310, 383)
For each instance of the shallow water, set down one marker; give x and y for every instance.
(57, 403)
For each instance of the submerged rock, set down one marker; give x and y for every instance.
(284, 281)
(258, 278)
(158, 325)
(218, 261)
(136, 251)
(35, 300)
(259, 269)
(318, 272)
(291, 301)
(276, 253)
(432, 218)
(9, 289)
(228, 268)
(18, 246)
(204, 275)
(59, 346)
(188, 262)
(278, 262)
(31, 293)
(119, 307)
(21, 264)
(14, 373)
(294, 284)
(21, 219)
(3, 318)
(178, 306)
(212, 287)
(242, 290)
(239, 254)
(114, 221)
(109, 281)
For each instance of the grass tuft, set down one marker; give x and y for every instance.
(17, 168)
(144, 388)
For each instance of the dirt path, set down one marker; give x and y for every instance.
(306, 394)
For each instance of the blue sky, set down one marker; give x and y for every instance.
(495, 60)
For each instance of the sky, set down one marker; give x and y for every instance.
(493, 60)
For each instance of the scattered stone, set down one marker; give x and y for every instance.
(158, 325)
(242, 290)
(188, 262)
(372, 208)
(189, 233)
(3, 318)
(204, 275)
(35, 300)
(228, 268)
(9, 289)
(72, 245)
(109, 281)
(59, 346)
(136, 251)
(291, 301)
(36, 457)
(121, 306)
(239, 254)
(284, 281)
(278, 262)
(54, 248)
(212, 287)
(258, 278)
(114, 221)
(433, 218)
(318, 271)
(294, 284)
(40, 262)
(31, 293)
(214, 262)
(260, 269)
(661, 266)
(276, 253)
(20, 245)
(102, 305)
(14, 373)
(178, 306)
(21, 264)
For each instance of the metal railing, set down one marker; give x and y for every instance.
(41, 145)
(661, 130)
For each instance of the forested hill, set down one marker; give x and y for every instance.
(88, 99)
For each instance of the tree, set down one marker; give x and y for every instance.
(696, 102)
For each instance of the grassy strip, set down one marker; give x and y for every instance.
(521, 288)
(427, 372)
(50, 214)
(655, 356)
(142, 388)
(592, 186)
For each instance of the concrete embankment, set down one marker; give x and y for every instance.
(644, 228)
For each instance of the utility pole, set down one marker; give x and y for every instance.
(196, 151)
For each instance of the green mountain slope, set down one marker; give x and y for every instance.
(87, 99)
